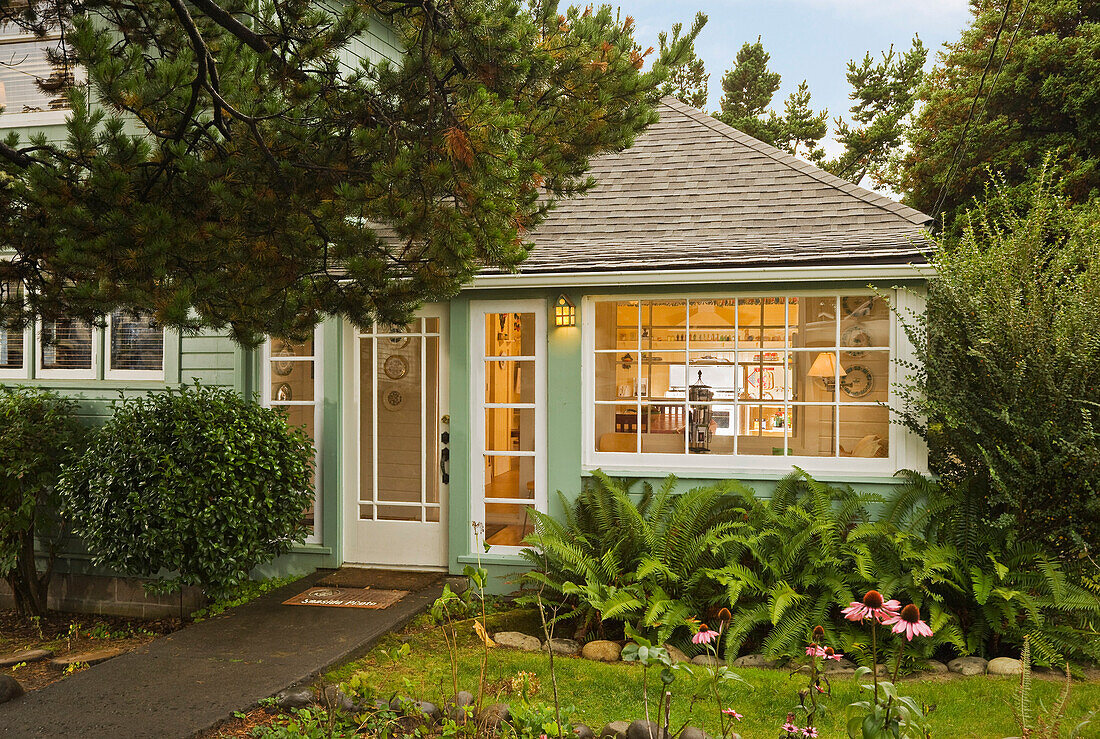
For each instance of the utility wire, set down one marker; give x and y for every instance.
(1008, 50)
(970, 117)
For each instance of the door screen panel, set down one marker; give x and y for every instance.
(399, 423)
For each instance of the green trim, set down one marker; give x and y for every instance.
(494, 560)
(310, 549)
(750, 476)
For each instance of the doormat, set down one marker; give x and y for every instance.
(364, 577)
(347, 598)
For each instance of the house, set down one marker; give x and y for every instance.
(715, 308)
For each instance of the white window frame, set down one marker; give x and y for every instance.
(904, 447)
(110, 373)
(478, 311)
(20, 119)
(318, 417)
(23, 372)
(90, 373)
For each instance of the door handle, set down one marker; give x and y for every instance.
(445, 461)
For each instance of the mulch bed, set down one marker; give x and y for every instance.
(52, 632)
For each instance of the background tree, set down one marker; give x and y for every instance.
(749, 86)
(239, 163)
(1039, 95)
(885, 94)
(688, 81)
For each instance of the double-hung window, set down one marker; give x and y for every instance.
(13, 340)
(135, 347)
(30, 81)
(751, 381)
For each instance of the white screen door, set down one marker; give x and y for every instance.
(397, 513)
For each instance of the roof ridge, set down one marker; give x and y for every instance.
(911, 215)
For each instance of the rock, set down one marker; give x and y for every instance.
(839, 665)
(882, 670)
(398, 703)
(935, 666)
(967, 665)
(1005, 666)
(564, 647)
(642, 729)
(583, 731)
(10, 689)
(756, 660)
(516, 640)
(614, 730)
(30, 655)
(85, 658)
(333, 698)
(429, 709)
(381, 705)
(456, 709)
(707, 660)
(676, 654)
(492, 717)
(602, 650)
(294, 698)
(692, 732)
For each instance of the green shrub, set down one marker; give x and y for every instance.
(643, 563)
(1008, 378)
(199, 483)
(39, 432)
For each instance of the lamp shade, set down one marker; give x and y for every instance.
(825, 365)
(565, 313)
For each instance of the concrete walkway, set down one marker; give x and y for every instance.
(192, 680)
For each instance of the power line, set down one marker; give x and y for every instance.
(970, 117)
(1011, 43)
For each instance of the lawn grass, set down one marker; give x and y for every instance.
(599, 693)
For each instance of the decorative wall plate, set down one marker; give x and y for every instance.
(283, 392)
(392, 399)
(395, 367)
(858, 382)
(399, 342)
(282, 368)
(856, 306)
(854, 336)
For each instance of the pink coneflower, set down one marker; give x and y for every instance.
(908, 623)
(704, 635)
(872, 607)
(809, 731)
(731, 712)
(831, 653)
(814, 651)
(790, 728)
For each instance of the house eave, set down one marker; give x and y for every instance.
(801, 274)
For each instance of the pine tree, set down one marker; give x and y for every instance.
(801, 126)
(687, 82)
(748, 88)
(885, 94)
(239, 163)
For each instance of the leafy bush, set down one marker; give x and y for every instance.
(1008, 380)
(644, 563)
(198, 482)
(39, 432)
(784, 565)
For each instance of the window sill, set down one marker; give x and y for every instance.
(28, 120)
(493, 559)
(309, 548)
(745, 473)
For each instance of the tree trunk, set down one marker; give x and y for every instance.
(28, 589)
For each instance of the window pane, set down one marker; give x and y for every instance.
(291, 381)
(813, 323)
(712, 321)
(508, 381)
(616, 376)
(812, 430)
(507, 524)
(762, 430)
(23, 64)
(617, 325)
(864, 431)
(664, 325)
(510, 429)
(137, 343)
(11, 339)
(510, 477)
(616, 428)
(664, 428)
(865, 321)
(304, 416)
(717, 370)
(66, 344)
(815, 376)
(663, 375)
(290, 348)
(866, 378)
(509, 334)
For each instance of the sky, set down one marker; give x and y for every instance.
(808, 40)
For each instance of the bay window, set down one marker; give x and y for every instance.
(740, 377)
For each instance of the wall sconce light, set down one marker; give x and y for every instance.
(565, 313)
(825, 366)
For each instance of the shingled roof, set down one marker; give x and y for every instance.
(693, 193)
